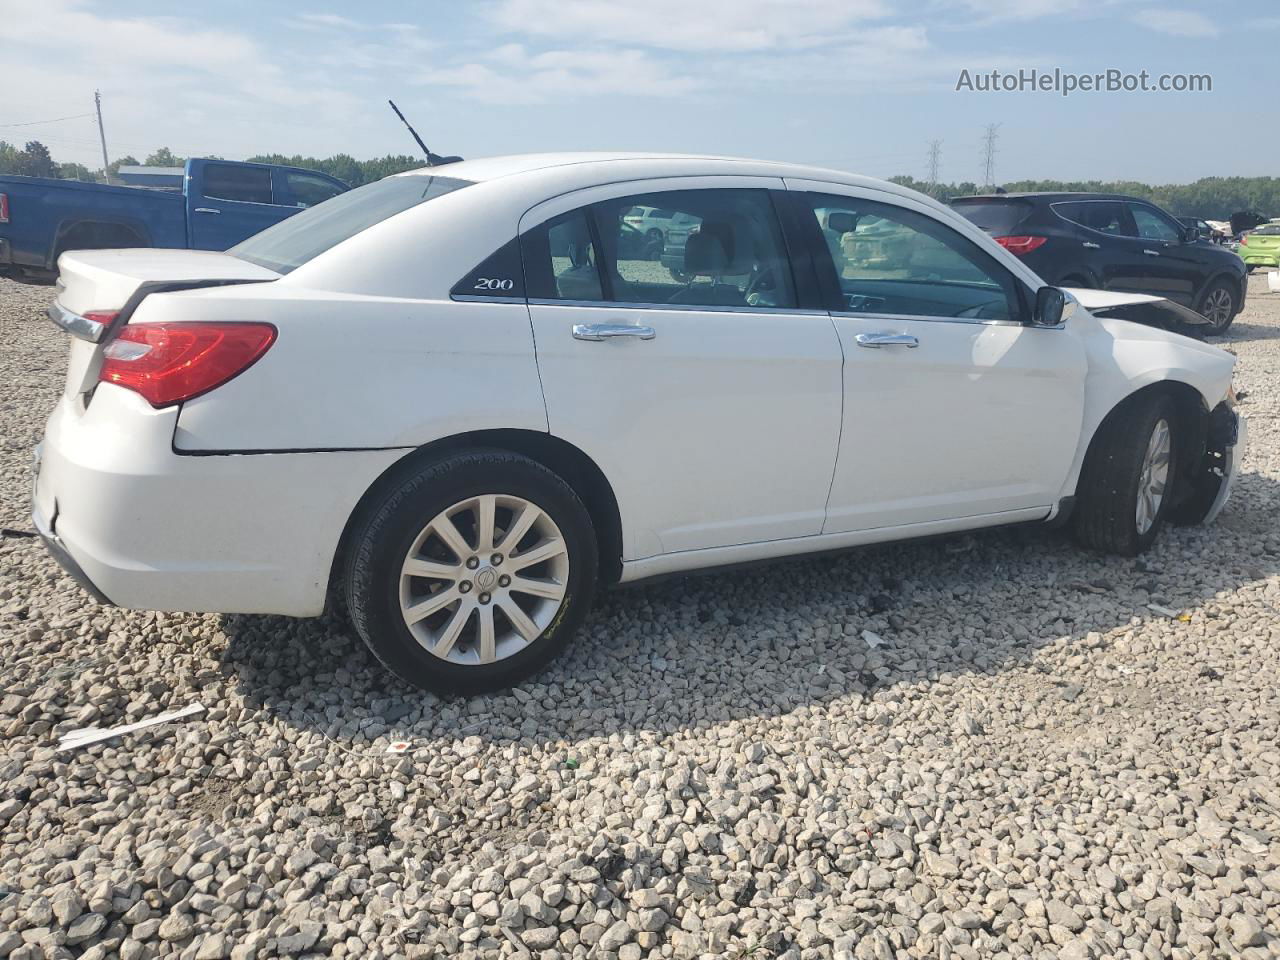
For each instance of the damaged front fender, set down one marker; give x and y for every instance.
(1211, 480)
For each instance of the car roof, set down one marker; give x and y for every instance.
(593, 168)
(1051, 196)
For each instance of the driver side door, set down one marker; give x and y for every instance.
(954, 410)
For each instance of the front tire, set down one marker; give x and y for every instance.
(1219, 305)
(472, 573)
(1125, 486)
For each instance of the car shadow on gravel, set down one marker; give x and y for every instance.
(703, 650)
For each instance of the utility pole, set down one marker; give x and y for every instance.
(97, 102)
(935, 154)
(989, 162)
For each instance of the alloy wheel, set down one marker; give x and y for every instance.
(1217, 307)
(484, 579)
(1154, 477)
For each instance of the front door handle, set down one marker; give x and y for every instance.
(877, 340)
(206, 210)
(1152, 253)
(607, 331)
(1089, 244)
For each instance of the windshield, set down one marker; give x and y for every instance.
(997, 217)
(292, 242)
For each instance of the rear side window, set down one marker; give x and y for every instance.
(307, 189)
(998, 217)
(290, 243)
(1104, 216)
(563, 260)
(222, 181)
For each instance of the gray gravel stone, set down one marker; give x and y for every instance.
(989, 747)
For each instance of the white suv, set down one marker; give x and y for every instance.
(458, 398)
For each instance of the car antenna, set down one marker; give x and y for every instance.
(433, 159)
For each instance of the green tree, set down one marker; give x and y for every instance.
(36, 161)
(163, 158)
(8, 158)
(75, 171)
(113, 168)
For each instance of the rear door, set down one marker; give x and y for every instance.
(1105, 238)
(709, 398)
(1170, 267)
(228, 202)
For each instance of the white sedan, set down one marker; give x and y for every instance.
(460, 400)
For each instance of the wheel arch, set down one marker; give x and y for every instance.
(1193, 420)
(1221, 274)
(109, 227)
(564, 459)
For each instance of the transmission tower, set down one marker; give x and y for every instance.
(935, 155)
(989, 154)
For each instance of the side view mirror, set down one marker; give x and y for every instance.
(1051, 305)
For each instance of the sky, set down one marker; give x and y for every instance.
(859, 85)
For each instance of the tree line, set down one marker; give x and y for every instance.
(1211, 198)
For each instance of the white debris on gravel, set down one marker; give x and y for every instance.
(1023, 768)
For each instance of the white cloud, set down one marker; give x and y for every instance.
(705, 26)
(512, 74)
(1177, 23)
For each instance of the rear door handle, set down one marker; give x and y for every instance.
(1152, 253)
(206, 210)
(607, 331)
(1091, 245)
(877, 340)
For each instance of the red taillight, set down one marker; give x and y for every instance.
(4, 208)
(1244, 241)
(171, 362)
(1021, 246)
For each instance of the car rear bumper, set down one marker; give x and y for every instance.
(1267, 259)
(152, 529)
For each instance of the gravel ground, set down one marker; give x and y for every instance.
(1032, 763)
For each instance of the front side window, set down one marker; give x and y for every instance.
(225, 181)
(889, 260)
(1152, 225)
(307, 189)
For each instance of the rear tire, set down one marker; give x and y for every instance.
(1118, 506)
(1219, 305)
(470, 613)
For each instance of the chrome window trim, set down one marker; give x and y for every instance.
(911, 316)
(682, 307)
(76, 325)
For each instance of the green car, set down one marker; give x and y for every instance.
(1261, 246)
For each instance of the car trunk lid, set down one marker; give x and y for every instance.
(99, 289)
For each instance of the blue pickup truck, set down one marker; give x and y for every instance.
(220, 203)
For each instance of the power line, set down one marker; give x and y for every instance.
(989, 151)
(34, 123)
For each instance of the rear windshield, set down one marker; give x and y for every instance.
(997, 217)
(292, 242)
(1270, 230)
